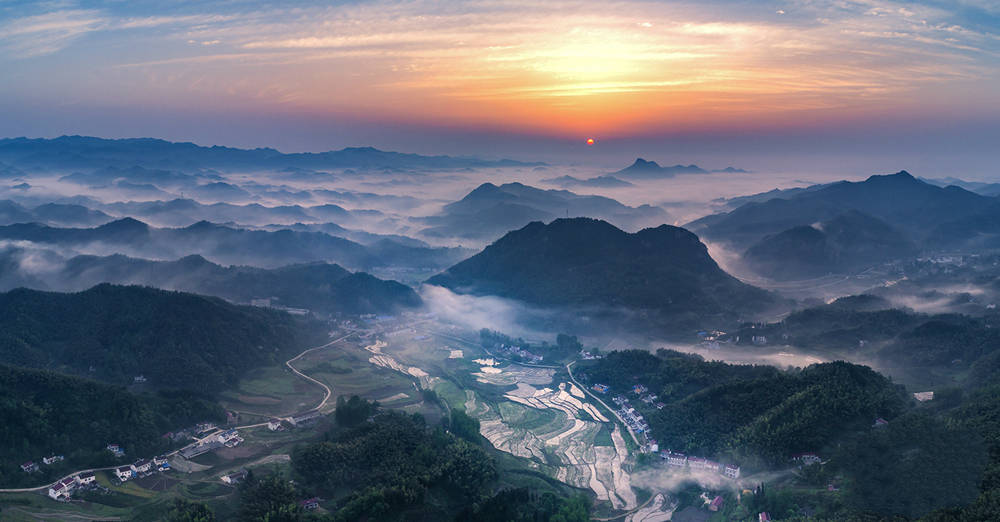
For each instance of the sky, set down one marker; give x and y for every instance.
(867, 85)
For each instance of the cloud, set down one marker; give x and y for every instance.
(47, 33)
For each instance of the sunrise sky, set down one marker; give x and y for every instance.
(913, 84)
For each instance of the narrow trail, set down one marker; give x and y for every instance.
(326, 388)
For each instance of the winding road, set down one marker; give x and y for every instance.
(288, 363)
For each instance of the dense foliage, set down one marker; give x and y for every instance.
(269, 499)
(321, 287)
(586, 262)
(172, 339)
(353, 411)
(749, 412)
(391, 466)
(912, 466)
(525, 505)
(187, 511)
(43, 413)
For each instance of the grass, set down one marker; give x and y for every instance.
(270, 391)
(451, 394)
(603, 436)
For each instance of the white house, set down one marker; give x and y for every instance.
(61, 490)
(732, 472)
(53, 459)
(86, 478)
(141, 466)
(274, 424)
(124, 473)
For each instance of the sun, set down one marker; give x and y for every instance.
(590, 141)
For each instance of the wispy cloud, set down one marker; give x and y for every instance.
(561, 63)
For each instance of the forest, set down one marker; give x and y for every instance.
(169, 339)
(43, 413)
(395, 468)
(758, 415)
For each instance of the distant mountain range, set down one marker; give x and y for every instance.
(590, 263)
(918, 209)
(596, 182)
(73, 152)
(860, 224)
(59, 214)
(644, 170)
(230, 245)
(320, 287)
(849, 242)
(489, 211)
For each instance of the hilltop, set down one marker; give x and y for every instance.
(588, 262)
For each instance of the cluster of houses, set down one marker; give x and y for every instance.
(142, 468)
(63, 489)
(31, 466)
(225, 439)
(681, 460)
(511, 350)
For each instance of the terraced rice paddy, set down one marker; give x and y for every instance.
(544, 425)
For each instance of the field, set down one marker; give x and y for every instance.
(272, 391)
(546, 432)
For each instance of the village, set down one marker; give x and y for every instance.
(637, 423)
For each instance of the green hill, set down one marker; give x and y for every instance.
(174, 340)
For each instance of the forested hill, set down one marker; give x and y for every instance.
(751, 413)
(172, 339)
(585, 261)
(44, 413)
(322, 287)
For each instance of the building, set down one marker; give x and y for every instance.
(160, 460)
(712, 466)
(29, 467)
(116, 449)
(274, 424)
(879, 422)
(764, 516)
(235, 477)
(601, 388)
(638, 389)
(674, 459)
(732, 472)
(716, 503)
(227, 436)
(124, 473)
(61, 490)
(141, 466)
(310, 504)
(84, 479)
(807, 459)
(200, 449)
(305, 418)
(53, 459)
(924, 396)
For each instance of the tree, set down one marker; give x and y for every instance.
(272, 499)
(187, 511)
(464, 426)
